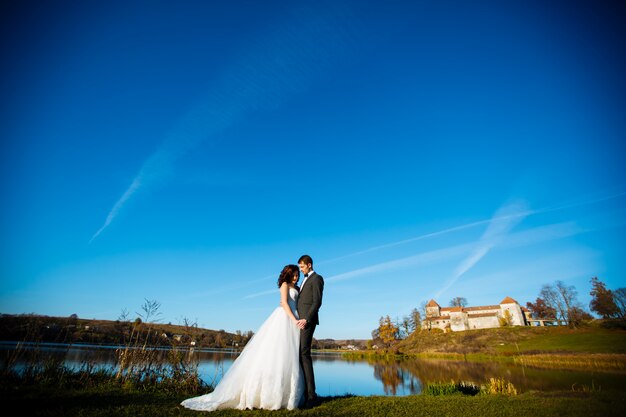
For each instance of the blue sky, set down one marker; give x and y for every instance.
(185, 152)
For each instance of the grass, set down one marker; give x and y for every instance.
(451, 388)
(585, 340)
(114, 401)
(591, 347)
(599, 361)
(140, 365)
(514, 340)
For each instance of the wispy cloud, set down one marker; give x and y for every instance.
(501, 223)
(282, 63)
(496, 234)
(505, 219)
(472, 252)
(118, 205)
(259, 294)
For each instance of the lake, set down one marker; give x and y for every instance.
(336, 375)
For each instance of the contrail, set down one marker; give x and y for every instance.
(517, 239)
(283, 63)
(505, 219)
(116, 208)
(511, 216)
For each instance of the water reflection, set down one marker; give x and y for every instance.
(338, 376)
(410, 375)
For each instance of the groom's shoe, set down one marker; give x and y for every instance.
(311, 402)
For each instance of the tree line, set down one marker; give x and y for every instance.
(559, 302)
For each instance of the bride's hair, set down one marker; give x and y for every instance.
(287, 274)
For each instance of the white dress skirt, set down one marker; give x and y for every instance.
(266, 374)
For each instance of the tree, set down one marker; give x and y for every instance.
(388, 331)
(579, 315)
(406, 327)
(603, 301)
(424, 313)
(563, 299)
(552, 300)
(416, 320)
(506, 319)
(572, 306)
(541, 310)
(619, 296)
(458, 302)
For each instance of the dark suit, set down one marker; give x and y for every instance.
(309, 303)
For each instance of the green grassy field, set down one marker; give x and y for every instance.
(514, 340)
(38, 401)
(588, 340)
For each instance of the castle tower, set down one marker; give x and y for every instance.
(514, 310)
(433, 309)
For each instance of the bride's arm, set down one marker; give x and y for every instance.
(284, 303)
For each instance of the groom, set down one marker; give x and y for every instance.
(309, 303)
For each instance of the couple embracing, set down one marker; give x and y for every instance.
(275, 369)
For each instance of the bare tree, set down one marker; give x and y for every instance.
(416, 320)
(551, 297)
(423, 312)
(405, 327)
(569, 296)
(563, 299)
(458, 302)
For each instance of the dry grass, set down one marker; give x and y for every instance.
(499, 386)
(603, 361)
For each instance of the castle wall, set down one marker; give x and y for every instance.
(487, 322)
(458, 321)
(517, 316)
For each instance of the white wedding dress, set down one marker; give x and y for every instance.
(266, 374)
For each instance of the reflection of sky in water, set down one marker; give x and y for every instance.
(333, 376)
(337, 378)
(212, 371)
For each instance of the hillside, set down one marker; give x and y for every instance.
(38, 328)
(511, 340)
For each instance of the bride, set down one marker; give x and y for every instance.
(267, 373)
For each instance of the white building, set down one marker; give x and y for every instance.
(456, 319)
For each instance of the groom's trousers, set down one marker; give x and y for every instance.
(306, 340)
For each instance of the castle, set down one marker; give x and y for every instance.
(508, 312)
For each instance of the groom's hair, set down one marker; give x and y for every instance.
(306, 259)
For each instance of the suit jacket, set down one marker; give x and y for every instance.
(310, 298)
